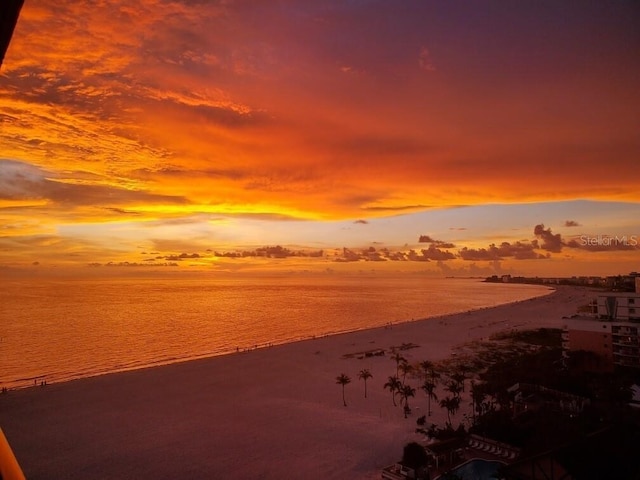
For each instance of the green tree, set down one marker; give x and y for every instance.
(393, 385)
(343, 380)
(365, 375)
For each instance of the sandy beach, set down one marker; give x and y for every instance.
(274, 412)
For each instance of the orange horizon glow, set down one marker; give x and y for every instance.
(126, 128)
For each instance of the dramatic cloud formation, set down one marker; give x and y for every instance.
(238, 124)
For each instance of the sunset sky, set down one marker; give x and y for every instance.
(443, 137)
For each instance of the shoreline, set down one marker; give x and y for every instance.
(49, 379)
(263, 414)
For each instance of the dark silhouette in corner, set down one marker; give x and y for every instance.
(9, 12)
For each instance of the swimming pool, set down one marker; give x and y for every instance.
(476, 469)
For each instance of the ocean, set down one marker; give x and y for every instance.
(59, 330)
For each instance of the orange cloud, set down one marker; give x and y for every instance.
(154, 110)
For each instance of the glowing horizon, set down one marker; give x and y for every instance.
(181, 128)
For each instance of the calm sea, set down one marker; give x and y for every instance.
(61, 330)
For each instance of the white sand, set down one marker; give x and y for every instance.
(270, 413)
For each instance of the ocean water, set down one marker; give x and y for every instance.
(58, 330)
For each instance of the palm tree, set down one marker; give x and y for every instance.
(454, 388)
(343, 380)
(398, 359)
(452, 404)
(407, 391)
(459, 377)
(405, 368)
(429, 388)
(477, 399)
(393, 385)
(365, 374)
(427, 367)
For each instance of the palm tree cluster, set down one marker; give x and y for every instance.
(454, 384)
(344, 379)
(430, 382)
(400, 387)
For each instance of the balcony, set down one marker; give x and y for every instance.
(627, 352)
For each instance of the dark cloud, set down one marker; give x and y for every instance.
(550, 242)
(590, 243)
(121, 211)
(133, 264)
(414, 256)
(433, 241)
(434, 253)
(517, 251)
(478, 254)
(372, 255)
(181, 257)
(384, 254)
(571, 223)
(270, 252)
(361, 222)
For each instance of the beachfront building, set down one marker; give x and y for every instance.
(610, 335)
(623, 306)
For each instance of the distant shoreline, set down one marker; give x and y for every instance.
(48, 379)
(272, 400)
